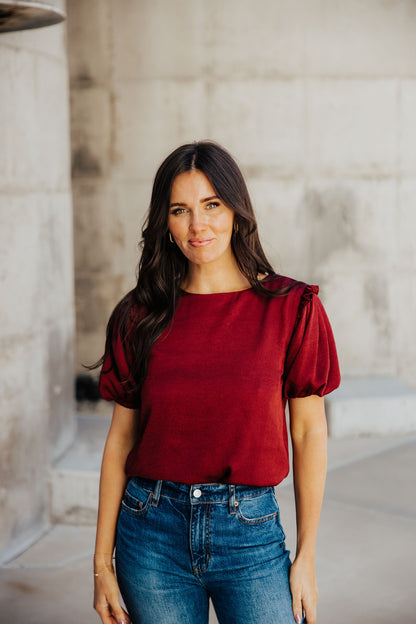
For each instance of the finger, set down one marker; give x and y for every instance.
(310, 614)
(119, 615)
(297, 608)
(103, 610)
(110, 614)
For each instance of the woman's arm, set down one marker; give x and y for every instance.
(309, 438)
(120, 441)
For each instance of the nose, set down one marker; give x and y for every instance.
(197, 222)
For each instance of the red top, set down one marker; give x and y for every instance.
(213, 402)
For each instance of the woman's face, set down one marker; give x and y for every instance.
(200, 223)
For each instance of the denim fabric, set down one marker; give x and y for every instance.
(177, 545)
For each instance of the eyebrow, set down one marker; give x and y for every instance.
(202, 201)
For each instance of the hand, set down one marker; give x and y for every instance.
(106, 598)
(304, 589)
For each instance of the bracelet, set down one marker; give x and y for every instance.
(105, 568)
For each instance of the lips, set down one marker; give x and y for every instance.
(200, 242)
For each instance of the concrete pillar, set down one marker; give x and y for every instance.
(36, 277)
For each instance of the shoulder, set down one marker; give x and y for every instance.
(288, 286)
(295, 296)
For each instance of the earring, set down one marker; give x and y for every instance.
(235, 227)
(170, 238)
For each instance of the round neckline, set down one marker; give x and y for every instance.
(226, 292)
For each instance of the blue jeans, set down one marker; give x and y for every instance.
(178, 545)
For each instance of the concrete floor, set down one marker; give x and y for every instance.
(365, 559)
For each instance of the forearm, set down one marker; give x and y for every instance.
(112, 483)
(309, 441)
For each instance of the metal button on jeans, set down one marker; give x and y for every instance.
(197, 493)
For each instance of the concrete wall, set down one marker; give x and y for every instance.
(36, 277)
(315, 98)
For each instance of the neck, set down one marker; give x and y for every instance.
(206, 279)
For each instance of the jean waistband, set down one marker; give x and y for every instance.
(200, 492)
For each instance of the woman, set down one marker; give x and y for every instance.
(201, 358)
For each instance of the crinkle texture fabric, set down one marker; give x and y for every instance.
(116, 381)
(309, 357)
(212, 406)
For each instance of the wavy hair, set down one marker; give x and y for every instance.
(146, 311)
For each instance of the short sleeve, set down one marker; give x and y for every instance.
(311, 365)
(116, 382)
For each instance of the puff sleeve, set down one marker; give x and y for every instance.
(311, 364)
(116, 382)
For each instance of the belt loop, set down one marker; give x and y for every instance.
(231, 499)
(156, 493)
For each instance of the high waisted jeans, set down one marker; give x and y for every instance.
(177, 545)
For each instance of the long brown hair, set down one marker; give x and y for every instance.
(146, 311)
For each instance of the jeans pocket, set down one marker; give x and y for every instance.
(136, 500)
(258, 509)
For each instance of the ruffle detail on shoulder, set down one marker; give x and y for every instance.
(311, 364)
(309, 291)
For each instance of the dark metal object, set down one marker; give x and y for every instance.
(17, 15)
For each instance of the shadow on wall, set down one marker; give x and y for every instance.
(352, 249)
(332, 212)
